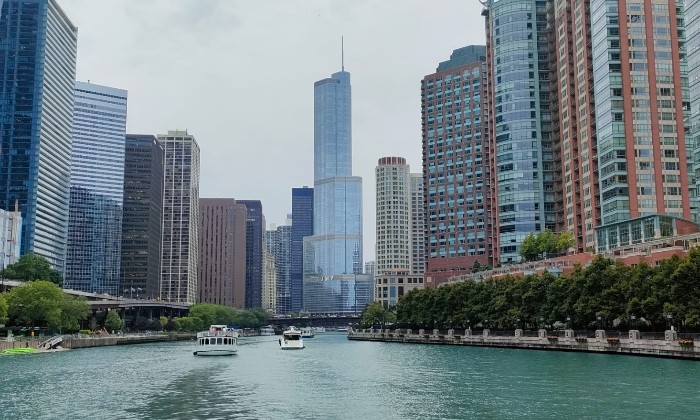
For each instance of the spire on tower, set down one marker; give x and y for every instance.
(342, 54)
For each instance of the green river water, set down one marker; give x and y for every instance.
(334, 378)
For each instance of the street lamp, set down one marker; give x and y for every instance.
(669, 321)
(600, 324)
(568, 322)
(633, 320)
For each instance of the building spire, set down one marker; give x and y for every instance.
(342, 54)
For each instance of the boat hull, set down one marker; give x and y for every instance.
(220, 352)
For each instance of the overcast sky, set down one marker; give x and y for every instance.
(239, 76)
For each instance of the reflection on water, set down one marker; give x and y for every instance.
(334, 378)
(203, 393)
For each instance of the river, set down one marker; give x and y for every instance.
(334, 378)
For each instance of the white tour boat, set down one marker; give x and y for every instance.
(291, 340)
(219, 340)
(342, 329)
(319, 330)
(267, 330)
(307, 332)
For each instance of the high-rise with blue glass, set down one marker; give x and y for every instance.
(302, 226)
(38, 46)
(333, 279)
(520, 122)
(96, 189)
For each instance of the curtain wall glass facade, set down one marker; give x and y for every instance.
(37, 69)
(335, 249)
(97, 189)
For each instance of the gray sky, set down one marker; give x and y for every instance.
(239, 76)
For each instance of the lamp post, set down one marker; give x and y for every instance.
(633, 320)
(600, 324)
(669, 321)
(568, 322)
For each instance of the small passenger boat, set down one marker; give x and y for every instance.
(219, 340)
(267, 330)
(307, 332)
(291, 340)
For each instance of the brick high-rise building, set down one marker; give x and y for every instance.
(222, 252)
(455, 172)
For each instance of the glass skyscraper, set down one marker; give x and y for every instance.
(333, 279)
(302, 226)
(254, 258)
(520, 121)
(142, 221)
(37, 75)
(97, 189)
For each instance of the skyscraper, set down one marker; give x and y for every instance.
(574, 121)
(255, 232)
(692, 46)
(302, 226)
(222, 252)
(455, 172)
(639, 116)
(279, 245)
(96, 190)
(417, 224)
(142, 223)
(333, 279)
(180, 217)
(393, 204)
(37, 71)
(394, 266)
(520, 122)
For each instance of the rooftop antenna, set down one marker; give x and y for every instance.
(342, 54)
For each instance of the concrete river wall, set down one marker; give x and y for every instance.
(75, 342)
(669, 345)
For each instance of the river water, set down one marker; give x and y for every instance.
(334, 378)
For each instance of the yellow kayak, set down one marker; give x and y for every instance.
(20, 350)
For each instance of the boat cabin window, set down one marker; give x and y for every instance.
(219, 341)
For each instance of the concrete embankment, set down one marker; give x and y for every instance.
(669, 347)
(70, 342)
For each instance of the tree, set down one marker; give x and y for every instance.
(36, 303)
(375, 313)
(32, 267)
(529, 247)
(3, 310)
(74, 309)
(114, 321)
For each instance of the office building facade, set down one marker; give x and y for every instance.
(333, 279)
(255, 235)
(96, 189)
(180, 246)
(38, 51)
(302, 226)
(222, 252)
(142, 221)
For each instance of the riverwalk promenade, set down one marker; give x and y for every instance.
(667, 345)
